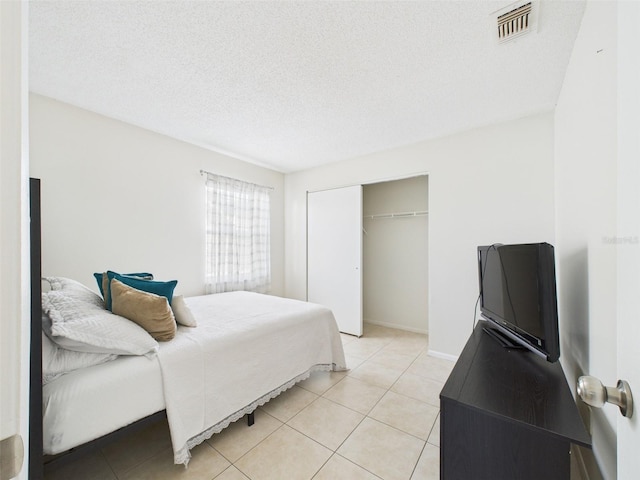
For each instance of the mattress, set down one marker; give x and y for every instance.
(86, 404)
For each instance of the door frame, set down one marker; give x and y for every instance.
(628, 233)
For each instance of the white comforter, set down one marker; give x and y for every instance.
(246, 349)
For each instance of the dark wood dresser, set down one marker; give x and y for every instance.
(506, 414)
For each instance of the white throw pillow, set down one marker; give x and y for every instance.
(57, 361)
(182, 312)
(74, 289)
(85, 327)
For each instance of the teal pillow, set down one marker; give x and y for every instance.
(164, 289)
(98, 277)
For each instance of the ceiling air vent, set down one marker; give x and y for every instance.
(515, 20)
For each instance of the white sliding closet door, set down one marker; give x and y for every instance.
(334, 254)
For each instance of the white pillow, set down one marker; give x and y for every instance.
(57, 361)
(75, 290)
(84, 327)
(182, 312)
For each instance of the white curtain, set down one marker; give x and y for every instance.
(238, 236)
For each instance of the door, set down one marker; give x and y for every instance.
(334, 254)
(628, 327)
(14, 241)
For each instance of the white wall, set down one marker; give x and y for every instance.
(14, 230)
(488, 185)
(395, 265)
(119, 197)
(586, 176)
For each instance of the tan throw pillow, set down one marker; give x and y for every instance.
(182, 312)
(105, 289)
(152, 312)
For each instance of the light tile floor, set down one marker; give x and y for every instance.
(379, 420)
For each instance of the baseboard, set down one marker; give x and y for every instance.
(433, 353)
(446, 356)
(582, 472)
(585, 460)
(397, 327)
(587, 465)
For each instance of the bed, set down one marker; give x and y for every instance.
(246, 349)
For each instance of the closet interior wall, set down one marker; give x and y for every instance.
(395, 254)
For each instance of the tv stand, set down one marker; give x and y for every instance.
(501, 338)
(506, 414)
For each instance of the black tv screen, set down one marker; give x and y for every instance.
(518, 294)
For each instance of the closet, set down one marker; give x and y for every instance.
(395, 254)
(388, 276)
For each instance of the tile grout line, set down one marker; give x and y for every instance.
(365, 416)
(369, 359)
(115, 475)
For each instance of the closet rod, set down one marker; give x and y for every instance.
(397, 215)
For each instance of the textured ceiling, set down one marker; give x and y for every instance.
(293, 85)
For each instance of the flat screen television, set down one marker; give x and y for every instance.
(518, 296)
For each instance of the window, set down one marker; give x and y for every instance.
(237, 236)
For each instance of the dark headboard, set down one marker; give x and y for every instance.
(35, 369)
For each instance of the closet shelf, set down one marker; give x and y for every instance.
(397, 215)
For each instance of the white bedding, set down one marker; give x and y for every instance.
(246, 349)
